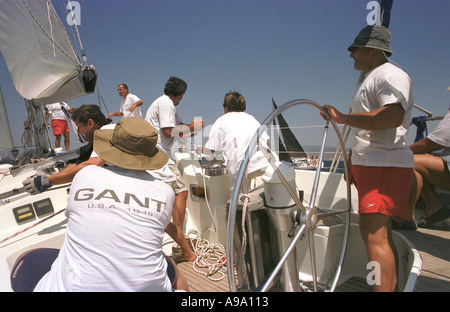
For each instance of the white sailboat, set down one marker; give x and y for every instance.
(332, 256)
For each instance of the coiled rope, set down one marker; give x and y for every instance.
(211, 257)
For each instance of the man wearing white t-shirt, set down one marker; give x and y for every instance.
(59, 122)
(130, 106)
(89, 119)
(116, 220)
(381, 162)
(231, 134)
(162, 115)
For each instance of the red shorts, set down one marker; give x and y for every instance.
(59, 126)
(383, 190)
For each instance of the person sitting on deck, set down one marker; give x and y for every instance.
(116, 220)
(89, 119)
(430, 171)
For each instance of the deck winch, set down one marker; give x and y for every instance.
(214, 167)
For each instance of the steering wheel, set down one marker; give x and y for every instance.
(305, 218)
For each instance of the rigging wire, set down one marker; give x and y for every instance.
(62, 8)
(74, 30)
(83, 53)
(49, 36)
(88, 32)
(100, 99)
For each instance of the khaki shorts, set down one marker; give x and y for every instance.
(178, 185)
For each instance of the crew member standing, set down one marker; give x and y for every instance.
(382, 163)
(59, 122)
(162, 115)
(130, 106)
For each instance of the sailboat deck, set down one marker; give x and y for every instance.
(201, 283)
(432, 245)
(433, 248)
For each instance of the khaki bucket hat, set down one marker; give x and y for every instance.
(130, 145)
(376, 36)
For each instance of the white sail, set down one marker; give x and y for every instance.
(6, 140)
(40, 57)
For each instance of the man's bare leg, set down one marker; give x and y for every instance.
(376, 232)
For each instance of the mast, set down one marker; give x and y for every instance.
(6, 140)
(39, 129)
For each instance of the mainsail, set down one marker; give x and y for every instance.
(40, 57)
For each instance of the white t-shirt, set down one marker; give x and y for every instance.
(441, 135)
(162, 114)
(126, 103)
(56, 112)
(231, 134)
(114, 234)
(386, 84)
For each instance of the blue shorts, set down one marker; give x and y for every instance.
(29, 269)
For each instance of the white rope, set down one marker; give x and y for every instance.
(214, 228)
(246, 198)
(211, 257)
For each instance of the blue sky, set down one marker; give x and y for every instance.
(281, 49)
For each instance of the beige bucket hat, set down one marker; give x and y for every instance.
(130, 145)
